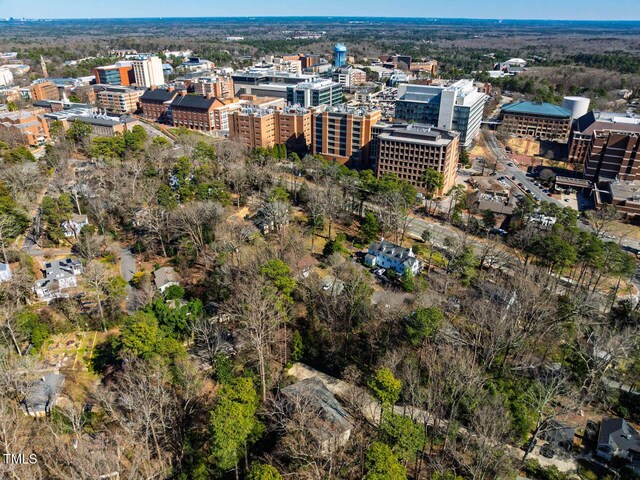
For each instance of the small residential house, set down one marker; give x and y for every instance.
(387, 255)
(165, 277)
(331, 425)
(272, 217)
(43, 395)
(74, 225)
(59, 275)
(559, 435)
(619, 439)
(5, 272)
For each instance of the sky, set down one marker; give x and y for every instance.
(503, 9)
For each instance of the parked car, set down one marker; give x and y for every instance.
(546, 451)
(530, 445)
(513, 177)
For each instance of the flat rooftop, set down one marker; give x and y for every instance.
(419, 134)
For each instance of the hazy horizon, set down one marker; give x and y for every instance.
(568, 10)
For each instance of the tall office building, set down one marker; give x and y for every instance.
(343, 134)
(121, 73)
(44, 90)
(119, 99)
(218, 86)
(583, 128)
(408, 150)
(266, 127)
(339, 55)
(457, 107)
(613, 155)
(148, 71)
(266, 82)
(314, 94)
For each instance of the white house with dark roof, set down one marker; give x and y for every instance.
(391, 256)
(73, 225)
(59, 275)
(5, 272)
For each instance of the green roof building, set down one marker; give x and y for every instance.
(537, 120)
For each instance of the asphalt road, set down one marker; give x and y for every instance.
(513, 171)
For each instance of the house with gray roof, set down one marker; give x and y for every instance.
(43, 395)
(331, 424)
(619, 439)
(389, 255)
(165, 277)
(59, 275)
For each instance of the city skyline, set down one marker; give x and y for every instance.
(498, 9)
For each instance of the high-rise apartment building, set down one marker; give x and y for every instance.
(408, 150)
(343, 134)
(456, 107)
(315, 93)
(148, 71)
(260, 127)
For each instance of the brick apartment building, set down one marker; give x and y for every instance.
(266, 127)
(612, 156)
(29, 123)
(45, 91)
(119, 100)
(407, 150)
(343, 134)
(538, 120)
(155, 103)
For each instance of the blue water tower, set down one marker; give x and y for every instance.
(339, 55)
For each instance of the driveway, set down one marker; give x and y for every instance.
(127, 270)
(127, 264)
